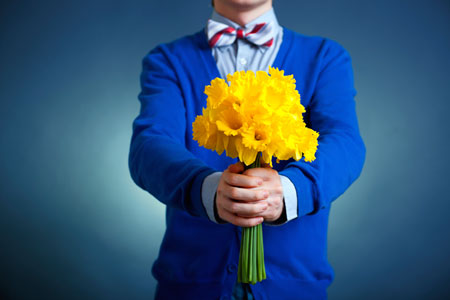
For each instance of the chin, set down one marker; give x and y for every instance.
(245, 3)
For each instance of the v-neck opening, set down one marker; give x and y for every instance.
(211, 64)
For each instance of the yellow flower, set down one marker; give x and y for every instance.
(216, 92)
(255, 113)
(257, 137)
(230, 122)
(205, 132)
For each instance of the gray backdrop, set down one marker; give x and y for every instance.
(74, 225)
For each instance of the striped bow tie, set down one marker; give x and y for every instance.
(220, 34)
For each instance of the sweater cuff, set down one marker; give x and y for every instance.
(209, 188)
(304, 190)
(196, 206)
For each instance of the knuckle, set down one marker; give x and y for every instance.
(234, 207)
(279, 190)
(257, 196)
(234, 193)
(262, 208)
(262, 195)
(232, 180)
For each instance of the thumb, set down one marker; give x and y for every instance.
(236, 168)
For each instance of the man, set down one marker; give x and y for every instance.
(210, 197)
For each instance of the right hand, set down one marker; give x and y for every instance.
(239, 198)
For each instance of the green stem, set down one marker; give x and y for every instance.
(255, 164)
(251, 256)
(252, 246)
(259, 256)
(254, 279)
(245, 258)
(240, 260)
(262, 256)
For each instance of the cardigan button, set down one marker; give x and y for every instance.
(224, 297)
(232, 268)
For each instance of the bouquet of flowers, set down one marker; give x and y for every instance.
(255, 117)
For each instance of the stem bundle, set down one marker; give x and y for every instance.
(251, 257)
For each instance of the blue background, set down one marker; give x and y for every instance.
(74, 225)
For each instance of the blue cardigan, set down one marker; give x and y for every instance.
(198, 258)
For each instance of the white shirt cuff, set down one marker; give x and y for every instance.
(209, 188)
(290, 198)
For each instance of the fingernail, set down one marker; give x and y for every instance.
(260, 182)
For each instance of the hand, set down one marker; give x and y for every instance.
(250, 198)
(240, 199)
(272, 184)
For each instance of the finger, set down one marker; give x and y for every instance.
(244, 209)
(245, 194)
(241, 221)
(264, 173)
(236, 168)
(240, 180)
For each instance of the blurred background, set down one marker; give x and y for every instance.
(73, 225)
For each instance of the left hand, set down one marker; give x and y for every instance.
(272, 184)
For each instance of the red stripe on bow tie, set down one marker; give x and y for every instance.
(268, 43)
(256, 28)
(217, 36)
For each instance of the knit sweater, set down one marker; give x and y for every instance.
(198, 258)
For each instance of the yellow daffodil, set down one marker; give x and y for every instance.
(255, 113)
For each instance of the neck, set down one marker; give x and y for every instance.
(242, 14)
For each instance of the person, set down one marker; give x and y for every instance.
(209, 198)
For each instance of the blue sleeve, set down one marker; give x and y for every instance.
(341, 152)
(159, 161)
